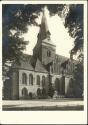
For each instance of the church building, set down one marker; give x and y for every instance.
(38, 73)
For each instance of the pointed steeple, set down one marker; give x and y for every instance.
(44, 49)
(44, 30)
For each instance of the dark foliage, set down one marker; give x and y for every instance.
(50, 87)
(78, 80)
(16, 17)
(74, 23)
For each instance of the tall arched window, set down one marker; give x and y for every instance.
(43, 81)
(24, 78)
(31, 79)
(38, 80)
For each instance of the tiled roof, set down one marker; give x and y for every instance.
(39, 67)
(24, 63)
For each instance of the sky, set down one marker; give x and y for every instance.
(59, 35)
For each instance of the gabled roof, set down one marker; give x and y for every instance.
(24, 63)
(39, 67)
(27, 66)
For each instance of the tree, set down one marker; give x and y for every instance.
(73, 20)
(15, 21)
(78, 80)
(74, 23)
(50, 91)
(50, 87)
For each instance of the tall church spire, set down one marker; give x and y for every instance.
(44, 49)
(44, 30)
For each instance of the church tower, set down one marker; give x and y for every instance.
(44, 49)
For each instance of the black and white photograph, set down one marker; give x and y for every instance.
(37, 65)
(43, 56)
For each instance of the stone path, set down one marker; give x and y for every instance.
(41, 103)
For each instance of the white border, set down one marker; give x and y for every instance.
(46, 117)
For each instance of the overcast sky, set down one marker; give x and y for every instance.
(59, 35)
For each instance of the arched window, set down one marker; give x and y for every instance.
(31, 79)
(24, 78)
(43, 81)
(38, 80)
(48, 53)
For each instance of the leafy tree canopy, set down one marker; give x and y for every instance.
(16, 18)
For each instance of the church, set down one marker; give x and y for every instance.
(42, 74)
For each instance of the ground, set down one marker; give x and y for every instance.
(44, 104)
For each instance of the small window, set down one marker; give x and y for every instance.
(48, 53)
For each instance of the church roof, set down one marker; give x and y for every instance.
(36, 65)
(24, 63)
(39, 67)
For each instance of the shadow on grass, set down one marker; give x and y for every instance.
(44, 108)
